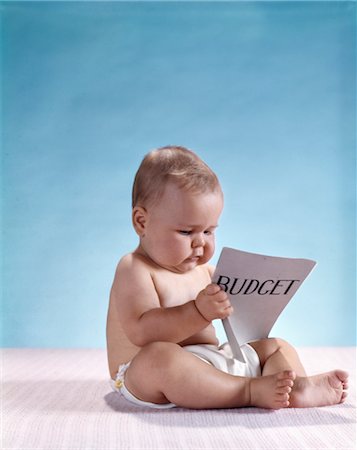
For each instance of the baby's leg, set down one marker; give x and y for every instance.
(324, 389)
(276, 355)
(163, 372)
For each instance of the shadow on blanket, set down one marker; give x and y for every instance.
(248, 417)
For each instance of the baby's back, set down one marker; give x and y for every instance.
(119, 349)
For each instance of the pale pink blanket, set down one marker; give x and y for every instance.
(61, 399)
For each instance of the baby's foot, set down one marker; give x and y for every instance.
(319, 390)
(272, 391)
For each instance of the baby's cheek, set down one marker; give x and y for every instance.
(208, 252)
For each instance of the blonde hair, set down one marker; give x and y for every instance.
(174, 164)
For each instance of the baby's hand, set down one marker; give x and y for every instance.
(213, 303)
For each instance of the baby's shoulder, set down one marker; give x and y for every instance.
(132, 264)
(132, 271)
(131, 261)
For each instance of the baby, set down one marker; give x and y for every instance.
(162, 348)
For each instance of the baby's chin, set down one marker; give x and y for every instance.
(191, 264)
(184, 266)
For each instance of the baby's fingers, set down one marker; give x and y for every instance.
(221, 296)
(226, 305)
(225, 312)
(212, 289)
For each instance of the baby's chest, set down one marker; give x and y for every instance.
(177, 289)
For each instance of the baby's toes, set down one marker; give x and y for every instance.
(283, 400)
(286, 374)
(283, 390)
(285, 382)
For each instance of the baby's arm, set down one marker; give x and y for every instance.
(142, 317)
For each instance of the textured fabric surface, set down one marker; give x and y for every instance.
(61, 399)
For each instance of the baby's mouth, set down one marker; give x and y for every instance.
(194, 258)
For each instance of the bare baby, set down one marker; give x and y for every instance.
(162, 347)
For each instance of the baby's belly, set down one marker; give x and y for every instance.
(206, 336)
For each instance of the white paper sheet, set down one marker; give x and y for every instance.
(259, 287)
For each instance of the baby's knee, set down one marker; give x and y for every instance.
(159, 346)
(159, 352)
(278, 343)
(273, 344)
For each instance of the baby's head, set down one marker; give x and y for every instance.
(177, 201)
(171, 164)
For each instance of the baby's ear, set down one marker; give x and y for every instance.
(139, 216)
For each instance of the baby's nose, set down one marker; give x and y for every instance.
(198, 241)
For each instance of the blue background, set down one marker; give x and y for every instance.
(264, 92)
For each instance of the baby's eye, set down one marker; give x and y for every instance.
(208, 232)
(185, 232)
